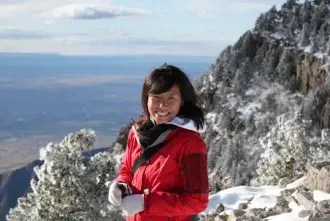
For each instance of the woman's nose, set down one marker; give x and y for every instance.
(162, 103)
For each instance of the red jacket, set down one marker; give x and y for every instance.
(176, 177)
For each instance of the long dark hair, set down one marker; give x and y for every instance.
(161, 80)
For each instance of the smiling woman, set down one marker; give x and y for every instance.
(163, 175)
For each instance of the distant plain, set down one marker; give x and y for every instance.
(45, 97)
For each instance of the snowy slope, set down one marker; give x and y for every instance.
(259, 197)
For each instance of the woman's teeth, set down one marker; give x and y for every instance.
(163, 113)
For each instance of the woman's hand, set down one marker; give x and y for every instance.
(133, 204)
(117, 191)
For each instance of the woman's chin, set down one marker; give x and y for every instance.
(162, 121)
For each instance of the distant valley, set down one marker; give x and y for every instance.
(43, 97)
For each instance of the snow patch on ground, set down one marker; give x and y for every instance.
(259, 197)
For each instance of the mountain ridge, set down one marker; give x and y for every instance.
(267, 97)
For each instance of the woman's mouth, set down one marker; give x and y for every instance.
(162, 114)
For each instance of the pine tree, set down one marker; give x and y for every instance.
(289, 147)
(305, 33)
(69, 186)
(290, 3)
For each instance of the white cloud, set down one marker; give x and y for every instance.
(15, 33)
(31, 8)
(64, 9)
(89, 11)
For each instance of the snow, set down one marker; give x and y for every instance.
(307, 49)
(325, 65)
(318, 54)
(211, 78)
(319, 195)
(118, 154)
(295, 183)
(259, 197)
(212, 117)
(257, 94)
(249, 109)
(293, 216)
(118, 157)
(232, 100)
(263, 196)
(277, 35)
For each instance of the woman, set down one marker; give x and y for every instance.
(163, 175)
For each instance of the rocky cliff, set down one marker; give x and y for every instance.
(277, 69)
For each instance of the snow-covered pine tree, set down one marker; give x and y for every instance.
(291, 144)
(69, 186)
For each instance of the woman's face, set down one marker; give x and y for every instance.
(164, 107)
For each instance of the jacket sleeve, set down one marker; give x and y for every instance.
(194, 198)
(125, 172)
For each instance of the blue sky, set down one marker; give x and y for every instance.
(102, 27)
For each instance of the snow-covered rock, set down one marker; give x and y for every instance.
(291, 203)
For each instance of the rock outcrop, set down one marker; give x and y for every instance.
(316, 179)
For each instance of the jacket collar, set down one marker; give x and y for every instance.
(186, 124)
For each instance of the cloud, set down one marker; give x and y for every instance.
(89, 11)
(208, 8)
(18, 8)
(148, 42)
(12, 33)
(122, 40)
(15, 33)
(103, 36)
(133, 45)
(75, 9)
(79, 45)
(12, 1)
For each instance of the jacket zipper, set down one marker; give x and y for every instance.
(144, 169)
